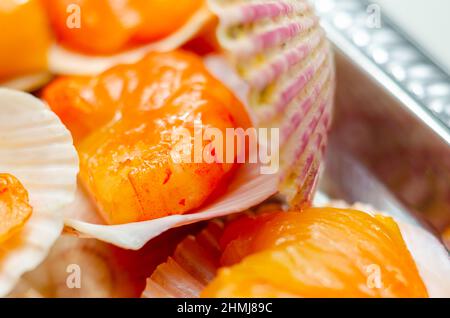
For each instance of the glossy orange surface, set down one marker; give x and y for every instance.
(322, 252)
(24, 38)
(14, 207)
(107, 26)
(122, 121)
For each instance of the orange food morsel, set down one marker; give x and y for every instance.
(122, 121)
(107, 26)
(14, 207)
(24, 38)
(321, 252)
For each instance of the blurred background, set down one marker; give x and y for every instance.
(390, 144)
(426, 21)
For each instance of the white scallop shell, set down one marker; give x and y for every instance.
(432, 259)
(100, 265)
(100, 270)
(27, 83)
(36, 148)
(248, 188)
(65, 61)
(280, 50)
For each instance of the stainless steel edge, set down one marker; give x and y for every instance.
(394, 61)
(392, 113)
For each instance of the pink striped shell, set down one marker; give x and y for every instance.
(191, 267)
(279, 48)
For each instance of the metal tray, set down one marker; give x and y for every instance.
(390, 142)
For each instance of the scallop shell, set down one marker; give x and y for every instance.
(248, 188)
(98, 264)
(280, 50)
(65, 61)
(191, 267)
(195, 262)
(104, 271)
(36, 148)
(28, 83)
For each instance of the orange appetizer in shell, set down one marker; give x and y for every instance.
(120, 108)
(122, 121)
(318, 252)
